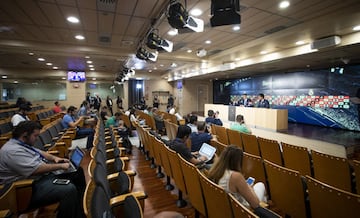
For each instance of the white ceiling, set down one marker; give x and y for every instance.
(40, 26)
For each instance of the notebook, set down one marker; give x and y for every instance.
(207, 150)
(75, 159)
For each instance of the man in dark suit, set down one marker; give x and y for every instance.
(245, 101)
(263, 103)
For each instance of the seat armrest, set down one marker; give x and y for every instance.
(118, 200)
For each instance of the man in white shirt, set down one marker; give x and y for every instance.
(21, 115)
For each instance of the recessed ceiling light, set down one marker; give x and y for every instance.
(189, 51)
(72, 19)
(16, 81)
(89, 62)
(4, 77)
(237, 59)
(356, 28)
(208, 41)
(79, 37)
(31, 53)
(94, 78)
(63, 77)
(236, 28)
(284, 4)
(155, 68)
(173, 32)
(55, 68)
(173, 65)
(87, 57)
(150, 71)
(161, 65)
(263, 52)
(49, 64)
(300, 42)
(196, 12)
(41, 59)
(92, 68)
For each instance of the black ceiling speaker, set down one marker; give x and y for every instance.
(225, 12)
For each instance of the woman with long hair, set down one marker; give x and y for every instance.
(226, 172)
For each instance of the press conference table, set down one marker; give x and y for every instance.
(266, 118)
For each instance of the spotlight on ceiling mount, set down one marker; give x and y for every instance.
(179, 18)
(143, 54)
(155, 42)
(225, 12)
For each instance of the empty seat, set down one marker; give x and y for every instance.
(234, 138)
(297, 158)
(332, 170)
(331, 202)
(250, 144)
(270, 150)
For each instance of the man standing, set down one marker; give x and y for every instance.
(20, 160)
(170, 101)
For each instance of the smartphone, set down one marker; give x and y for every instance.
(61, 181)
(250, 181)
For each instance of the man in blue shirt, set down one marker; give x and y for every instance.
(263, 103)
(212, 119)
(70, 121)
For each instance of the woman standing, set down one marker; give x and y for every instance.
(119, 102)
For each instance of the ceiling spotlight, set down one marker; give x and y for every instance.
(143, 54)
(155, 42)
(236, 28)
(284, 4)
(41, 59)
(179, 18)
(225, 12)
(79, 37)
(72, 19)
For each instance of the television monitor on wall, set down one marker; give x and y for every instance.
(76, 76)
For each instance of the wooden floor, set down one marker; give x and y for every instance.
(158, 199)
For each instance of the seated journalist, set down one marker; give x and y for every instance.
(20, 160)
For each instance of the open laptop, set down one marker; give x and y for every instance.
(208, 151)
(75, 159)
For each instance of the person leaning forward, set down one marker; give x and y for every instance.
(20, 160)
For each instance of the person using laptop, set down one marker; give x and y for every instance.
(226, 172)
(200, 137)
(179, 145)
(69, 121)
(20, 160)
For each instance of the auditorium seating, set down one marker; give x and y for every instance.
(331, 202)
(270, 150)
(297, 158)
(332, 170)
(286, 190)
(221, 134)
(240, 210)
(357, 175)
(235, 138)
(250, 144)
(253, 166)
(219, 146)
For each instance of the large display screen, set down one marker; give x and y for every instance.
(76, 76)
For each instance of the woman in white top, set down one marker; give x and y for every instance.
(226, 172)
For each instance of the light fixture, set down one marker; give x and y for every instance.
(208, 42)
(179, 18)
(225, 12)
(55, 68)
(263, 52)
(72, 19)
(173, 32)
(196, 12)
(79, 37)
(89, 62)
(49, 64)
(143, 54)
(284, 4)
(41, 59)
(155, 42)
(236, 28)
(356, 28)
(300, 42)
(31, 53)
(4, 77)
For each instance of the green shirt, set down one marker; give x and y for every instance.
(110, 122)
(239, 127)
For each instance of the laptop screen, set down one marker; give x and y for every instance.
(76, 157)
(207, 151)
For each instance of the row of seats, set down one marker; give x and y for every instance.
(109, 191)
(8, 113)
(313, 163)
(207, 198)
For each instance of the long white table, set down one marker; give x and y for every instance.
(266, 118)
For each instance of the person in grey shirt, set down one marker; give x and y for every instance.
(20, 160)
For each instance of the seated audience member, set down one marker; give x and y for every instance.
(239, 125)
(69, 121)
(193, 123)
(20, 160)
(57, 108)
(262, 102)
(85, 112)
(211, 119)
(226, 171)
(159, 120)
(179, 145)
(114, 120)
(21, 115)
(200, 137)
(124, 135)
